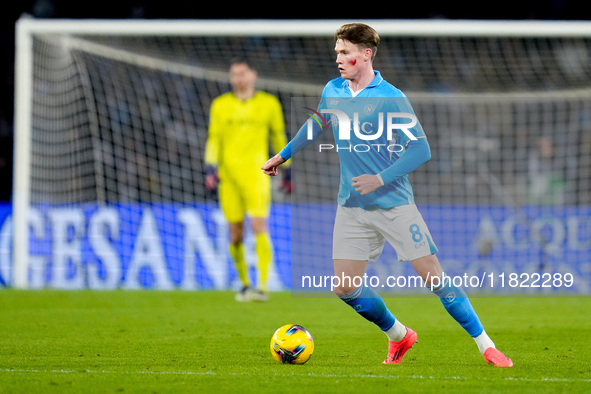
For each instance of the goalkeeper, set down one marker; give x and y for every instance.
(242, 122)
(375, 200)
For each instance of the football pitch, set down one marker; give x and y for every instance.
(200, 342)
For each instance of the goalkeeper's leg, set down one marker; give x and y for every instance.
(457, 304)
(257, 197)
(231, 204)
(237, 252)
(263, 248)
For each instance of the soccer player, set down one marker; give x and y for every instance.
(375, 199)
(242, 123)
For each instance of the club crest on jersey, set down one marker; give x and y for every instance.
(369, 109)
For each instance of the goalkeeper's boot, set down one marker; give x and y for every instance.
(396, 350)
(244, 295)
(496, 358)
(259, 295)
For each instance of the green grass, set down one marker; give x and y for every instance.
(87, 342)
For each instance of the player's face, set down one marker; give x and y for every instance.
(351, 59)
(242, 77)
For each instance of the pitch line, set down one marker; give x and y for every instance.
(311, 374)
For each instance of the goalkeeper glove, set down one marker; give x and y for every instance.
(211, 178)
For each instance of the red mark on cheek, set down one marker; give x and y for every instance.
(353, 62)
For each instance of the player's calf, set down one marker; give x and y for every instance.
(371, 306)
(457, 304)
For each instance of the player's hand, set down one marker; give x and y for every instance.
(211, 179)
(270, 167)
(366, 184)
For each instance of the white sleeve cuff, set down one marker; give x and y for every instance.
(380, 178)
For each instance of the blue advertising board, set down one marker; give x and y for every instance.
(185, 246)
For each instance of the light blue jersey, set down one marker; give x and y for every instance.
(370, 138)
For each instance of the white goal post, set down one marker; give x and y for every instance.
(74, 34)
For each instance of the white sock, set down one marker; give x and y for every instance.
(483, 342)
(396, 332)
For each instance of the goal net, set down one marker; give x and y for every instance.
(112, 120)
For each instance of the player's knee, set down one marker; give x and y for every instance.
(236, 233)
(429, 269)
(259, 225)
(343, 290)
(236, 239)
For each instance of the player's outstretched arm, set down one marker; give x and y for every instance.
(270, 167)
(296, 144)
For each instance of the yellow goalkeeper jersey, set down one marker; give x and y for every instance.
(240, 132)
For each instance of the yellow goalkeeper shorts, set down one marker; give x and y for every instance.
(245, 196)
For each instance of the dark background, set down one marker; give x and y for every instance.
(117, 9)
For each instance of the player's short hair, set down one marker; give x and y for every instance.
(359, 34)
(242, 60)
